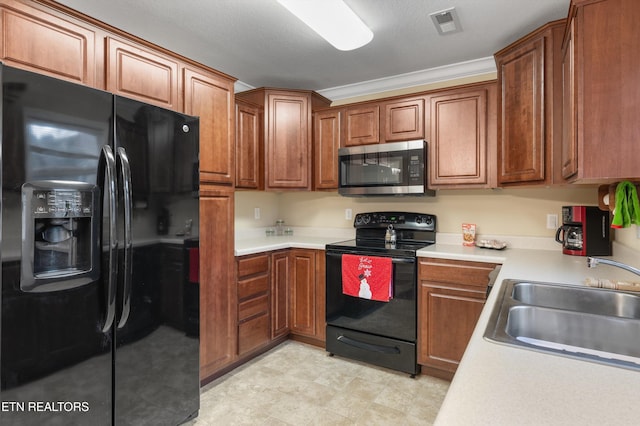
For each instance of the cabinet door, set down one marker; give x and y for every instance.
(210, 97)
(606, 41)
(321, 296)
(279, 294)
(288, 150)
(361, 125)
(218, 298)
(140, 73)
(403, 120)
(34, 40)
(569, 141)
(459, 136)
(303, 292)
(521, 133)
(249, 146)
(449, 316)
(326, 142)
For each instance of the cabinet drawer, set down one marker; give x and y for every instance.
(253, 286)
(455, 271)
(253, 334)
(252, 265)
(253, 307)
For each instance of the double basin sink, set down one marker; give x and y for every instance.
(582, 322)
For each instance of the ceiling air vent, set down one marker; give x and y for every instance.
(446, 21)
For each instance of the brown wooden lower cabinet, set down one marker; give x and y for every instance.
(280, 294)
(218, 295)
(253, 278)
(308, 295)
(451, 295)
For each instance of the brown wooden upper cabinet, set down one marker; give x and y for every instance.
(601, 93)
(530, 107)
(462, 136)
(288, 137)
(249, 145)
(398, 119)
(37, 41)
(140, 73)
(210, 96)
(326, 142)
(361, 125)
(403, 120)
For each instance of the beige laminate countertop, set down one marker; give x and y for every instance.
(244, 246)
(501, 385)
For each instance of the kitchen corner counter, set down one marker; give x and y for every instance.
(502, 385)
(244, 246)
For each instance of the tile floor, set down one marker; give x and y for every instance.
(299, 384)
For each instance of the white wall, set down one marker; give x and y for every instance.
(497, 212)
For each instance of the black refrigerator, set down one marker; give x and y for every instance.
(99, 218)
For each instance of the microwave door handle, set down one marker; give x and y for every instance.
(107, 165)
(126, 188)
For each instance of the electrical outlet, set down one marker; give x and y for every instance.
(348, 214)
(552, 221)
(256, 213)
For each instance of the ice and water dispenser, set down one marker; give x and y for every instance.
(60, 242)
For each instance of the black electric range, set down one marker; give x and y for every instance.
(383, 333)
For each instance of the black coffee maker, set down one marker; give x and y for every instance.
(585, 231)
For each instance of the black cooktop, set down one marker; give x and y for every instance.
(414, 231)
(378, 247)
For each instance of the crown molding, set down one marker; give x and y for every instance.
(416, 78)
(401, 81)
(240, 86)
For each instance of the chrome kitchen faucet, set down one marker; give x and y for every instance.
(592, 262)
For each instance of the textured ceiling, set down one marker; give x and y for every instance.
(262, 44)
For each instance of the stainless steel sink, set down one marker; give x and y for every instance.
(581, 322)
(575, 298)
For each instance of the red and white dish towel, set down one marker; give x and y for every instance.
(367, 277)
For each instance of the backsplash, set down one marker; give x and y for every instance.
(496, 212)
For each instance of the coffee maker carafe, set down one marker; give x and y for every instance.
(585, 231)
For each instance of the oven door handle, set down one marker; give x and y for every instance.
(368, 346)
(393, 259)
(396, 260)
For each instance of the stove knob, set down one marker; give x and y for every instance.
(366, 219)
(358, 219)
(418, 220)
(428, 220)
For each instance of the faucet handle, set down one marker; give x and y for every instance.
(592, 262)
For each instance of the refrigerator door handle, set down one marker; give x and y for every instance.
(128, 205)
(125, 170)
(108, 165)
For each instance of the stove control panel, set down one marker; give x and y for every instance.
(397, 219)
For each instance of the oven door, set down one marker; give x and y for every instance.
(395, 319)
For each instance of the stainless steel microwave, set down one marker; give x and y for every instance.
(397, 168)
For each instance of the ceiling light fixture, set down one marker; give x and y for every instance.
(333, 20)
(446, 21)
